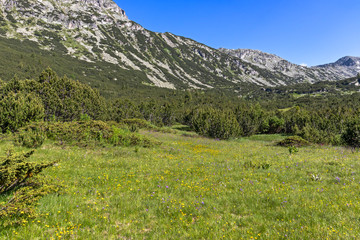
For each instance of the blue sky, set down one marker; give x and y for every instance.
(308, 31)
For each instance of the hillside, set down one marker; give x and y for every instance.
(345, 67)
(112, 52)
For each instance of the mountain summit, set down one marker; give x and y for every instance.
(345, 62)
(98, 31)
(345, 67)
(68, 12)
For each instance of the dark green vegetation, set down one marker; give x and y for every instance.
(295, 141)
(327, 119)
(20, 183)
(325, 88)
(82, 133)
(26, 60)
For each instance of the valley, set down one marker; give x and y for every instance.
(109, 130)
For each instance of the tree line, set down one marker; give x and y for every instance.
(325, 119)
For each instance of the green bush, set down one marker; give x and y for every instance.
(125, 137)
(273, 125)
(135, 124)
(293, 141)
(351, 135)
(257, 165)
(250, 119)
(85, 117)
(63, 99)
(318, 135)
(19, 108)
(84, 133)
(30, 137)
(20, 182)
(78, 132)
(293, 150)
(215, 123)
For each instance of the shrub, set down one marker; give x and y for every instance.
(18, 109)
(30, 137)
(135, 124)
(62, 98)
(257, 165)
(273, 125)
(19, 180)
(293, 149)
(125, 137)
(250, 119)
(318, 135)
(79, 132)
(293, 141)
(215, 123)
(84, 133)
(351, 135)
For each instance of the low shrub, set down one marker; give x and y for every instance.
(22, 185)
(293, 141)
(77, 132)
(91, 132)
(125, 137)
(30, 137)
(293, 150)
(135, 124)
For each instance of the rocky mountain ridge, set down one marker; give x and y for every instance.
(99, 31)
(345, 67)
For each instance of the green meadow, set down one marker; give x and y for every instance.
(191, 187)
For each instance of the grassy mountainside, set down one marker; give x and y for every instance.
(100, 32)
(26, 60)
(197, 188)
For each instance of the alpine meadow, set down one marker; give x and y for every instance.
(112, 131)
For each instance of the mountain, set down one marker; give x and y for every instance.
(345, 62)
(94, 41)
(345, 67)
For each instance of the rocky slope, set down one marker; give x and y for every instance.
(346, 67)
(98, 31)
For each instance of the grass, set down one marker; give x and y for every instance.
(198, 188)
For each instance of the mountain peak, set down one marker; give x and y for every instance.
(345, 67)
(348, 61)
(68, 13)
(98, 32)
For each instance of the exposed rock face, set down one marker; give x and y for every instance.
(99, 30)
(344, 68)
(345, 62)
(70, 14)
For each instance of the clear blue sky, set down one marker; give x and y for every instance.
(307, 31)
